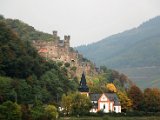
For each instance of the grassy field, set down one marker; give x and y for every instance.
(111, 118)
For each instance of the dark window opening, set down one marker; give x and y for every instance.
(104, 106)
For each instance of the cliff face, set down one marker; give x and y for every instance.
(60, 50)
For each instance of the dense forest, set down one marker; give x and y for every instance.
(33, 89)
(25, 76)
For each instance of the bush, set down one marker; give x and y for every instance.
(10, 111)
(67, 64)
(51, 112)
(74, 68)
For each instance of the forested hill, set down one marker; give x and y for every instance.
(26, 77)
(25, 31)
(134, 51)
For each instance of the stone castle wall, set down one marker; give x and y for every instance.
(59, 50)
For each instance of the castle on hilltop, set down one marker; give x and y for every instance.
(56, 49)
(60, 50)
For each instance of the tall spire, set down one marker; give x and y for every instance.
(83, 85)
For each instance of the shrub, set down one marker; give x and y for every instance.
(67, 64)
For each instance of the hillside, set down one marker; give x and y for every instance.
(25, 31)
(27, 78)
(134, 52)
(17, 51)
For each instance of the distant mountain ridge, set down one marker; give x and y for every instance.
(138, 47)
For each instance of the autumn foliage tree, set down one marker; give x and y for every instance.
(111, 87)
(126, 103)
(151, 100)
(136, 95)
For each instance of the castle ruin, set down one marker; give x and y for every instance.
(60, 50)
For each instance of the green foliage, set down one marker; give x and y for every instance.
(10, 111)
(37, 111)
(33, 78)
(66, 103)
(59, 64)
(7, 91)
(51, 112)
(81, 105)
(26, 32)
(76, 104)
(108, 76)
(17, 59)
(74, 68)
(67, 64)
(24, 92)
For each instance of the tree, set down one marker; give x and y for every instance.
(51, 112)
(136, 95)
(111, 87)
(126, 103)
(37, 111)
(151, 100)
(5, 89)
(81, 104)
(10, 111)
(66, 103)
(24, 93)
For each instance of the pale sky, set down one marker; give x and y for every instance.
(87, 21)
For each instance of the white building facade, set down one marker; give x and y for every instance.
(107, 102)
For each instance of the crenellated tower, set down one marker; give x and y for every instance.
(56, 38)
(67, 40)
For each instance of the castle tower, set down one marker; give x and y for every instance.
(67, 40)
(56, 38)
(67, 43)
(83, 88)
(55, 33)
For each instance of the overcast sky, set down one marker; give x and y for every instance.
(86, 21)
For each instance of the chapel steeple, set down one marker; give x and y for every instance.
(83, 88)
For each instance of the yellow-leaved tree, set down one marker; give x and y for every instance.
(126, 103)
(111, 87)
